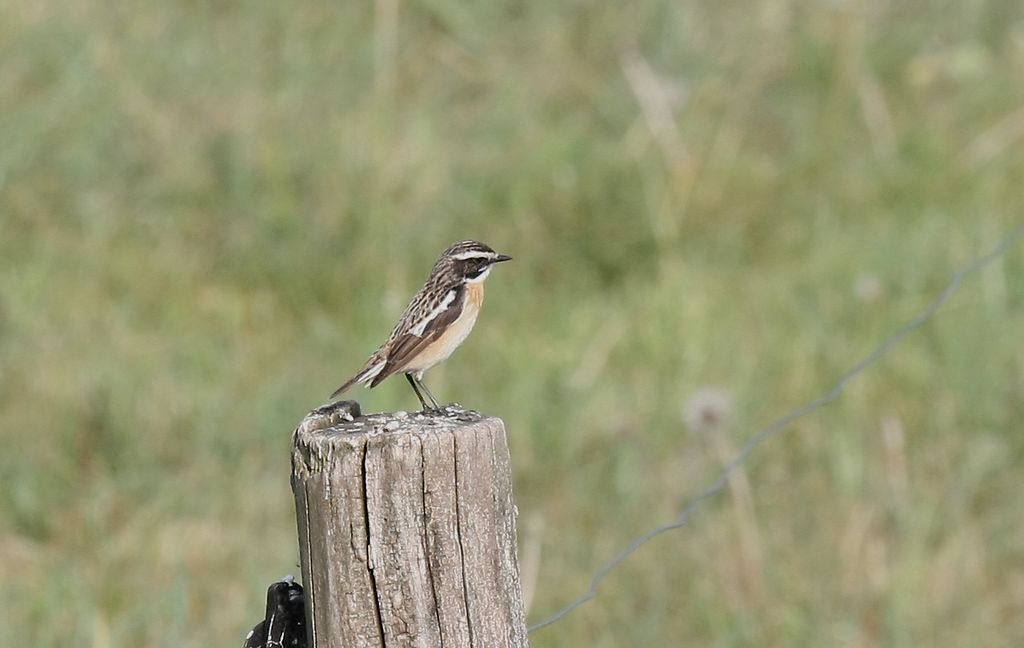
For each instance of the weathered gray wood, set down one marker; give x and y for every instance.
(407, 530)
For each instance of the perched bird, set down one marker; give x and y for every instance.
(435, 322)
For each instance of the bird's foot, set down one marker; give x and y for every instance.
(442, 410)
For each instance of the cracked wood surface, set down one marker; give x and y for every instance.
(407, 530)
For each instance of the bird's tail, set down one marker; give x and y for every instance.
(372, 368)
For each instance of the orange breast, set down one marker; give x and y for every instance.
(456, 333)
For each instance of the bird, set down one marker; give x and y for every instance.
(437, 320)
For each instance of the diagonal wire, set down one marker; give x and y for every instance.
(778, 425)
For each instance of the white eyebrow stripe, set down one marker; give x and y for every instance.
(442, 307)
(474, 254)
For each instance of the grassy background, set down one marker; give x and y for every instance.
(211, 212)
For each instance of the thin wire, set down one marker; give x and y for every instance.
(775, 427)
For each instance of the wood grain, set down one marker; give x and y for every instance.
(407, 530)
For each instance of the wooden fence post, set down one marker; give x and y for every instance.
(407, 530)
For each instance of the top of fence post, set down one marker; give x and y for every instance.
(407, 529)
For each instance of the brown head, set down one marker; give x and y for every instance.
(470, 261)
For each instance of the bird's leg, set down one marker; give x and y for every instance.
(416, 390)
(429, 395)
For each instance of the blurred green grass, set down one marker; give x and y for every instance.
(210, 213)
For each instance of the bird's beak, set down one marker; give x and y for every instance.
(502, 257)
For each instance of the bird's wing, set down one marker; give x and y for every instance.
(416, 321)
(410, 342)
